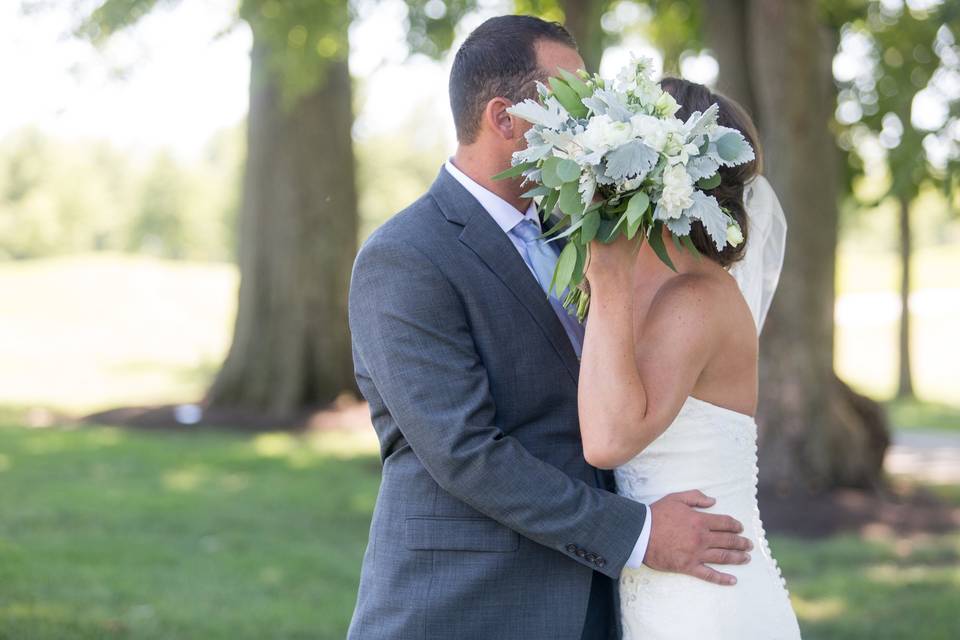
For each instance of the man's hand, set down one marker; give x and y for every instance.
(683, 539)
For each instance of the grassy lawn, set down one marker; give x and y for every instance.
(106, 533)
(111, 534)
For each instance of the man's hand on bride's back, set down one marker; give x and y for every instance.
(683, 539)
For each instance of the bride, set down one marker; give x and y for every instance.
(668, 390)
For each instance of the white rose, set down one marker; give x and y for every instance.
(677, 191)
(603, 134)
(592, 136)
(734, 235)
(651, 130)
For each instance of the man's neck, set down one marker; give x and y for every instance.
(479, 167)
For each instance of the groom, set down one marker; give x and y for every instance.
(489, 523)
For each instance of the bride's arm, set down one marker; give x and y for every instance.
(632, 389)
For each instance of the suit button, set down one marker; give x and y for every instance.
(572, 548)
(601, 563)
(591, 557)
(581, 553)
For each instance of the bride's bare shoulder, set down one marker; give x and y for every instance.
(700, 299)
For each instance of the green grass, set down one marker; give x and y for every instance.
(917, 414)
(848, 588)
(107, 533)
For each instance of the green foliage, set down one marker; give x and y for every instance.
(908, 49)
(58, 197)
(676, 29)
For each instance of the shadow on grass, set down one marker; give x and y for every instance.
(846, 588)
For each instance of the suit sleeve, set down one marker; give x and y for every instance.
(410, 332)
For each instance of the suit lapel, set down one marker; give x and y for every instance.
(488, 241)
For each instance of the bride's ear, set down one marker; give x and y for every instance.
(496, 117)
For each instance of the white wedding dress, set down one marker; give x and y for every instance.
(714, 449)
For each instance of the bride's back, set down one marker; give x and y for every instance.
(701, 296)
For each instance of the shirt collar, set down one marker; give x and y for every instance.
(502, 212)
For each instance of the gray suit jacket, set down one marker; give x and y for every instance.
(489, 523)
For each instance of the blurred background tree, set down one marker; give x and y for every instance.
(911, 55)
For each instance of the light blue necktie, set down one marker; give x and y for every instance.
(541, 257)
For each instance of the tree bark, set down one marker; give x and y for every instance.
(905, 383)
(582, 19)
(298, 235)
(815, 431)
(727, 31)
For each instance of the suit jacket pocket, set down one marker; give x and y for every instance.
(459, 534)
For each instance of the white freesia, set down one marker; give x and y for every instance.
(677, 192)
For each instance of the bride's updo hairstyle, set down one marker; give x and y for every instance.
(729, 193)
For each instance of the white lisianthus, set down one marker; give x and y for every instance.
(603, 134)
(680, 153)
(666, 106)
(734, 235)
(677, 191)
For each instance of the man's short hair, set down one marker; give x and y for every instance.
(498, 58)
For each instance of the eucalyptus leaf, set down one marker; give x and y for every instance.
(569, 201)
(633, 226)
(568, 98)
(548, 172)
(656, 243)
(548, 204)
(692, 248)
(709, 183)
(580, 267)
(514, 171)
(566, 264)
(590, 226)
(568, 170)
(637, 206)
(537, 191)
(575, 83)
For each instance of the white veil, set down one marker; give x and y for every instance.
(759, 270)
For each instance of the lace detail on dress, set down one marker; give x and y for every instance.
(715, 450)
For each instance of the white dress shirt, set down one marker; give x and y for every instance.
(507, 217)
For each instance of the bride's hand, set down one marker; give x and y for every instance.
(612, 263)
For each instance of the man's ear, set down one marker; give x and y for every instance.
(495, 117)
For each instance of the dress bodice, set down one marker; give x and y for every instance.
(712, 449)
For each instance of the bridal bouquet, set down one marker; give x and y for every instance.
(615, 160)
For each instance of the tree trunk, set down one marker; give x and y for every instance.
(815, 431)
(582, 19)
(298, 234)
(905, 384)
(726, 30)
